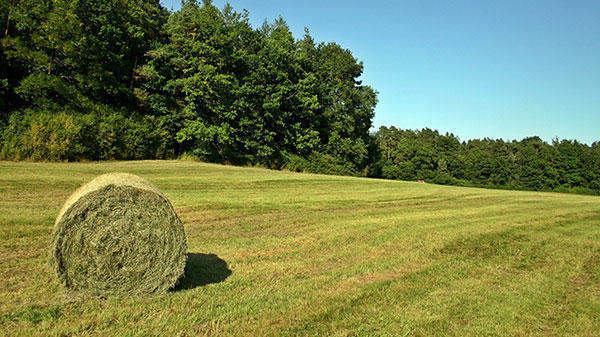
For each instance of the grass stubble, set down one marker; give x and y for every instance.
(282, 254)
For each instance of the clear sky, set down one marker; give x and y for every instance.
(479, 68)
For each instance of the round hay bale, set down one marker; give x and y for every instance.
(118, 234)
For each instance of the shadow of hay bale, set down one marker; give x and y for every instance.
(202, 269)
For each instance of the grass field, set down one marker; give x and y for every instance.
(280, 253)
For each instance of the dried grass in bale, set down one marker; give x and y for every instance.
(118, 234)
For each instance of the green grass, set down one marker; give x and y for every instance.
(280, 253)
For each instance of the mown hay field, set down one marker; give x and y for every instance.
(285, 254)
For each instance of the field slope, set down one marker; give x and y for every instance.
(280, 253)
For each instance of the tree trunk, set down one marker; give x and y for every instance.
(133, 73)
(7, 25)
(50, 64)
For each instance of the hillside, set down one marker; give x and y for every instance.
(282, 253)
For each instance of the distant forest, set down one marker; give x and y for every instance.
(117, 79)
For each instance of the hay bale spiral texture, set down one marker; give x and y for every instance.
(118, 234)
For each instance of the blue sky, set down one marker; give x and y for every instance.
(498, 69)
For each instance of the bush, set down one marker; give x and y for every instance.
(404, 170)
(41, 135)
(35, 134)
(316, 162)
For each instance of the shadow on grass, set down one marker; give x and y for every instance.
(202, 269)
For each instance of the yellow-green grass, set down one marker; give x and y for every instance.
(281, 253)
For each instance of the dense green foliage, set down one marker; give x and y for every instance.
(564, 165)
(69, 69)
(122, 79)
(116, 79)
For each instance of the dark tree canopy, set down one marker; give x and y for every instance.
(120, 79)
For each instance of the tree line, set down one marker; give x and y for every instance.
(127, 79)
(529, 164)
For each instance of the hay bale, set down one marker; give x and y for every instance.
(118, 234)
